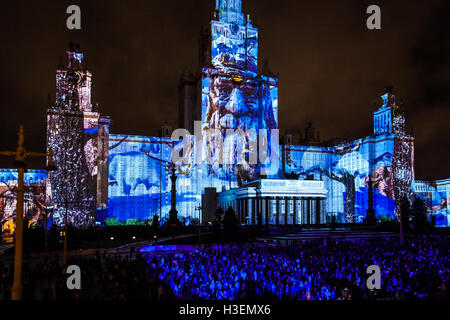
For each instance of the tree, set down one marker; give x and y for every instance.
(134, 222)
(155, 223)
(292, 175)
(230, 220)
(419, 215)
(219, 218)
(405, 210)
(112, 222)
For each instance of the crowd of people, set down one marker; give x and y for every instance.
(312, 270)
(315, 270)
(103, 277)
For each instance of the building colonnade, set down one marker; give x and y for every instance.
(279, 210)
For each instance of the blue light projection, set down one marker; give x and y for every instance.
(139, 185)
(436, 195)
(345, 170)
(235, 103)
(234, 40)
(34, 196)
(234, 46)
(235, 99)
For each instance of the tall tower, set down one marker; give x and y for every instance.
(235, 98)
(234, 40)
(230, 11)
(382, 118)
(188, 107)
(231, 42)
(390, 120)
(402, 160)
(73, 134)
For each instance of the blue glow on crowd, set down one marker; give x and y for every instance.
(314, 270)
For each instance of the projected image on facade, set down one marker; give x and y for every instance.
(34, 196)
(345, 170)
(383, 184)
(72, 133)
(234, 46)
(125, 179)
(232, 105)
(139, 180)
(436, 195)
(236, 102)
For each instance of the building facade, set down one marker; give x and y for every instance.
(229, 113)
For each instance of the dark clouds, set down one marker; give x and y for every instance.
(332, 69)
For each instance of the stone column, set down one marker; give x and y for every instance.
(308, 211)
(266, 211)
(249, 211)
(299, 212)
(244, 216)
(322, 211)
(294, 209)
(273, 211)
(259, 211)
(318, 210)
(277, 219)
(255, 211)
(238, 210)
(313, 211)
(263, 211)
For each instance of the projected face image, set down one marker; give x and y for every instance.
(231, 108)
(382, 181)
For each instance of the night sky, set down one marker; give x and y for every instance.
(332, 69)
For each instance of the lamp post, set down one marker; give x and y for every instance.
(46, 231)
(20, 155)
(199, 208)
(65, 231)
(173, 214)
(46, 222)
(401, 227)
(370, 212)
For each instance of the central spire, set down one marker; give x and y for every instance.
(230, 11)
(229, 5)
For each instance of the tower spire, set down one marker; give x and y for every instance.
(230, 11)
(229, 5)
